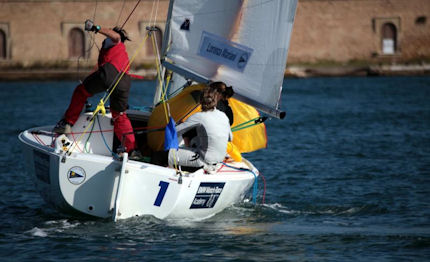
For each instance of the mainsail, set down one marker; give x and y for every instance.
(243, 43)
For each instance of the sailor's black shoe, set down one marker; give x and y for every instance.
(62, 127)
(135, 155)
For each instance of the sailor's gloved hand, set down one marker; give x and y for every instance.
(89, 26)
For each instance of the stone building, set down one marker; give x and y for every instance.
(49, 33)
(361, 30)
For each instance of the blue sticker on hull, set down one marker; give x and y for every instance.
(207, 195)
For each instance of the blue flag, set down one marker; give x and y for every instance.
(170, 136)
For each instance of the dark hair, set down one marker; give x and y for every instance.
(223, 89)
(122, 33)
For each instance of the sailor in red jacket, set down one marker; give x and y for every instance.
(113, 59)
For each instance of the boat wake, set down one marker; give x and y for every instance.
(52, 226)
(327, 210)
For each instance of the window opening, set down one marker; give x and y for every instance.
(2, 44)
(421, 20)
(389, 39)
(76, 43)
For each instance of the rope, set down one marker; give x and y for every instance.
(88, 138)
(164, 85)
(189, 112)
(38, 139)
(153, 16)
(120, 13)
(156, 12)
(244, 123)
(104, 140)
(105, 98)
(74, 140)
(95, 10)
(87, 51)
(249, 123)
(152, 12)
(126, 20)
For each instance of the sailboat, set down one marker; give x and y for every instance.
(243, 43)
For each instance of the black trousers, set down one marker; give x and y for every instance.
(106, 77)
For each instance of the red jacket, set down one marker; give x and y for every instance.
(116, 55)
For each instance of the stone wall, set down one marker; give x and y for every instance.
(325, 31)
(38, 30)
(350, 30)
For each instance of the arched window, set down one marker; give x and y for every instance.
(76, 43)
(149, 45)
(389, 39)
(2, 44)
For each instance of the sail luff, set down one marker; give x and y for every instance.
(167, 31)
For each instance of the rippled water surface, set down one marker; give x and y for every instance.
(347, 179)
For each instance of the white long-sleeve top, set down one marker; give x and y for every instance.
(213, 133)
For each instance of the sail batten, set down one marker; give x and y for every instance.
(243, 43)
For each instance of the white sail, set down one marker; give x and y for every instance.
(241, 42)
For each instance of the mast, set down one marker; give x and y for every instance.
(164, 48)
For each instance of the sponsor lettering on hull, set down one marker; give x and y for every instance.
(207, 195)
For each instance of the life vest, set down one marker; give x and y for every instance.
(115, 55)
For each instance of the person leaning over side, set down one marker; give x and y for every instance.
(113, 59)
(213, 133)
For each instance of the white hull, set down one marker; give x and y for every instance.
(98, 185)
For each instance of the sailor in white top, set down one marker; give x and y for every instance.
(213, 133)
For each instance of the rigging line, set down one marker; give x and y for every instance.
(88, 138)
(156, 12)
(189, 112)
(114, 84)
(76, 141)
(123, 72)
(38, 139)
(158, 65)
(104, 140)
(95, 10)
(241, 128)
(152, 13)
(165, 103)
(158, 61)
(244, 123)
(88, 51)
(132, 11)
(120, 13)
